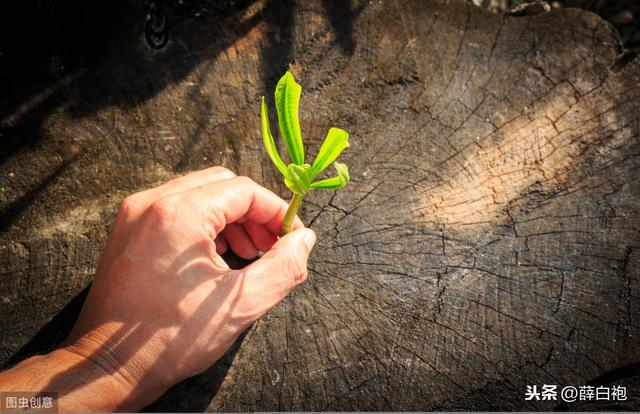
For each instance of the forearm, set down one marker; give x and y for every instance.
(81, 385)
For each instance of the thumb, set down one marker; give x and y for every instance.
(284, 266)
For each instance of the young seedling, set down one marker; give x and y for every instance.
(298, 176)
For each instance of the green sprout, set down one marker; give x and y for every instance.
(299, 176)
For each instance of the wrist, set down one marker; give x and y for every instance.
(87, 383)
(114, 369)
(80, 385)
(113, 365)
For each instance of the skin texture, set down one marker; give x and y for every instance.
(164, 305)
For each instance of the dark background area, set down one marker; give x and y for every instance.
(624, 15)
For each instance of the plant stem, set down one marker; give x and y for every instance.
(290, 215)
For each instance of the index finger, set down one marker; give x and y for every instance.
(239, 199)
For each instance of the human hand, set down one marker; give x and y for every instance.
(164, 305)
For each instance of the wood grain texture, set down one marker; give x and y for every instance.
(489, 238)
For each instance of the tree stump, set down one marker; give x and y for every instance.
(489, 239)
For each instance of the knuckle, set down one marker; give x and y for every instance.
(164, 208)
(296, 268)
(129, 206)
(129, 202)
(302, 277)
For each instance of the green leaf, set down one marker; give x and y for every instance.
(287, 100)
(336, 182)
(297, 178)
(269, 143)
(335, 142)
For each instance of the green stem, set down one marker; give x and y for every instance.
(290, 215)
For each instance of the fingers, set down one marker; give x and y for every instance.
(136, 204)
(221, 245)
(217, 198)
(247, 239)
(198, 178)
(270, 278)
(239, 241)
(260, 235)
(228, 201)
(287, 258)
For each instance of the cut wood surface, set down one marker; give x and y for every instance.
(489, 238)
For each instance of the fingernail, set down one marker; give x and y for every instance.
(309, 239)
